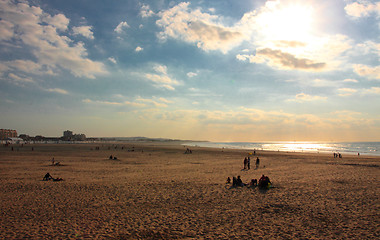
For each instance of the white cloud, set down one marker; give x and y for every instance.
(59, 21)
(52, 52)
(194, 26)
(362, 9)
(85, 31)
(112, 59)
(350, 80)
(146, 12)
(57, 90)
(191, 74)
(138, 102)
(161, 69)
(302, 97)
(343, 92)
(366, 71)
(373, 90)
(19, 79)
(6, 30)
(120, 28)
(139, 49)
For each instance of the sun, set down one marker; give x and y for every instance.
(286, 23)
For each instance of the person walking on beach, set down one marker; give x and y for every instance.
(245, 162)
(249, 163)
(257, 162)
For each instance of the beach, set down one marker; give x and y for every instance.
(153, 190)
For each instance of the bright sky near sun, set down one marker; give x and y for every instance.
(247, 70)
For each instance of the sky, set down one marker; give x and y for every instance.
(247, 70)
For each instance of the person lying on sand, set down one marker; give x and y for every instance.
(48, 177)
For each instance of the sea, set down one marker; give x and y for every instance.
(362, 148)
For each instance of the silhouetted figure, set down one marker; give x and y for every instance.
(257, 162)
(245, 163)
(264, 182)
(47, 177)
(234, 181)
(228, 180)
(253, 183)
(111, 157)
(239, 182)
(249, 163)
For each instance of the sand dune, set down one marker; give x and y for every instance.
(158, 192)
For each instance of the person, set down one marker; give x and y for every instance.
(249, 163)
(52, 161)
(257, 162)
(264, 182)
(245, 162)
(234, 181)
(111, 157)
(239, 182)
(253, 183)
(47, 177)
(228, 180)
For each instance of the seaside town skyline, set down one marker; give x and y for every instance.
(245, 70)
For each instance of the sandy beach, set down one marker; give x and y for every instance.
(155, 191)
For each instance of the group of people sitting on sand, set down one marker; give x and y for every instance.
(113, 157)
(264, 182)
(48, 177)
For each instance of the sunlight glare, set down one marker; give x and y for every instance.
(287, 23)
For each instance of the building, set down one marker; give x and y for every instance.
(67, 135)
(7, 133)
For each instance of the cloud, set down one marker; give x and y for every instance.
(6, 30)
(362, 9)
(139, 102)
(302, 97)
(373, 90)
(194, 26)
(51, 51)
(145, 11)
(112, 59)
(162, 81)
(350, 80)
(20, 79)
(139, 49)
(59, 21)
(191, 74)
(84, 31)
(161, 69)
(366, 71)
(57, 90)
(160, 102)
(283, 60)
(344, 92)
(120, 28)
